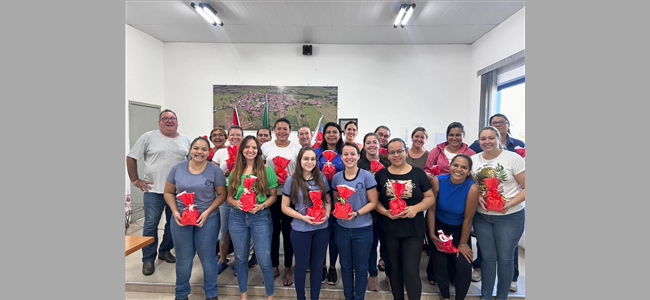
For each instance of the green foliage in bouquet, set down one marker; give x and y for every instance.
(489, 172)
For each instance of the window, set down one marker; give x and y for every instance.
(511, 101)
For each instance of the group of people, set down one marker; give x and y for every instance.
(338, 197)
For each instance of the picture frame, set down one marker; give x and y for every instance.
(343, 121)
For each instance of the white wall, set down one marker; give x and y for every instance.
(398, 86)
(144, 74)
(504, 40)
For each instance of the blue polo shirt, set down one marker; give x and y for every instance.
(361, 183)
(301, 206)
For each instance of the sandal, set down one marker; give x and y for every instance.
(288, 280)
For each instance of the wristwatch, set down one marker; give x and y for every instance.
(356, 211)
(263, 206)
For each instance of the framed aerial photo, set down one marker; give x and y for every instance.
(301, 105)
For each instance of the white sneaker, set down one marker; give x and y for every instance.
(513, 286)
(476, 275)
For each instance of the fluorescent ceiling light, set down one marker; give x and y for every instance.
(207, 12)
(409, 13)
(400, 15)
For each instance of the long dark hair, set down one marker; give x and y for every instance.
(339, 143)
(261, 185)
(298, 183)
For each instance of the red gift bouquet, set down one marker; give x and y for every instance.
(435, 170)
(445, 244)
(397, 204)
(328, 168)
(281, 164)
(190, 213)
(375, 166)
(232, 157)
(342, 208)
(248, 198)
(521, 151)
(383, 151)
(316, 211)
(494, 201)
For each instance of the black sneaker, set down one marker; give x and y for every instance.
(332, 278)
(253, 261)
(324, 278)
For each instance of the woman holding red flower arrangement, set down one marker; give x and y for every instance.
(306, 200)
(249, 184)
(442, 154)
(499, 221)
(223, 159)
(280, 155)
(453, 213)
(371, 160)
(355, 197)
(404, 194)
(330, 163)
(205, 184)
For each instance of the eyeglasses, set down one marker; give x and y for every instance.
(165, 119)
(398, 152)
(497, 123)
(218, 135)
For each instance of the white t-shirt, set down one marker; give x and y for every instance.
(160, 153)
(220, 158)
(512, 164)
(449, 155)
(271, 150)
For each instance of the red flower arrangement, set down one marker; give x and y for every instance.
(190, 213)
(397, 204)
(445, 244)
(232, 157)
(316, 211)
(375, 166)
(281, 164)
(342, 208)
(328, 168)
(248, 198)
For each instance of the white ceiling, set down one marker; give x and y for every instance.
(361, 22)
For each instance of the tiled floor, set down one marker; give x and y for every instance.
(160, 285)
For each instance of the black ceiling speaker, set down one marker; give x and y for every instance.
(306, 49)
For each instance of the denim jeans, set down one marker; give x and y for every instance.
(224, 211)
(354, 249)
(190, 239)
(243, 226)
(154, 204)
(310, 247)
(497, 236)
(515, 259)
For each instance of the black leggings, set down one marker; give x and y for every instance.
(404, 255)
(281, 223)
(440, 262)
